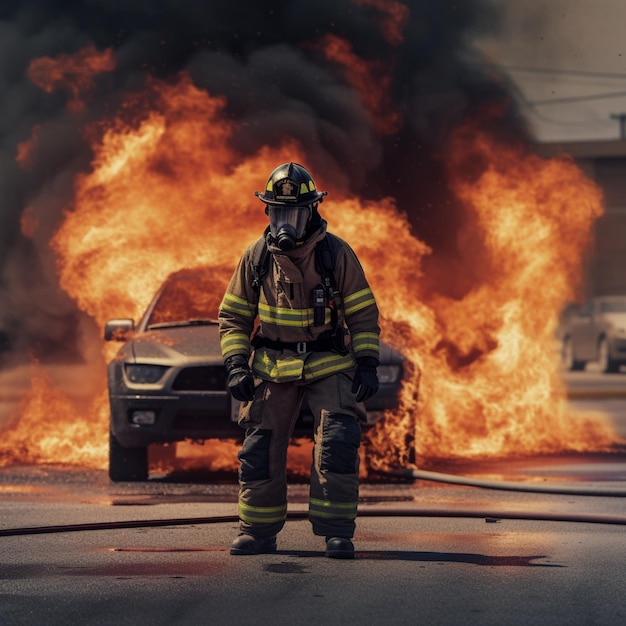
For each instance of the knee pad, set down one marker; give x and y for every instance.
(254, 456)
(341, 438)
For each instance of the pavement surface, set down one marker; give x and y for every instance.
(78, 550)
(536, 541)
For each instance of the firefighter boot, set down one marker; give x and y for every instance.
(339, 548)
(249, 544)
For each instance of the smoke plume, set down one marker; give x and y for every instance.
(371, 88)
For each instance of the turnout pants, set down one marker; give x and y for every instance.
(269, 422)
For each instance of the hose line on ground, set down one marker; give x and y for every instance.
(493, 516)
(552, 488)
(489, 516)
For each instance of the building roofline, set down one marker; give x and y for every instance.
(583, 149)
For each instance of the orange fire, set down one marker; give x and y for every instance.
(369, 78)
(392, 17)
(71, 71)
(490, 384)
(166, 192)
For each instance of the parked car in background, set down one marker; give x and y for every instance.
(597, 332)
(167, 382)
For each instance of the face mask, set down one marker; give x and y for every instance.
(288, 224)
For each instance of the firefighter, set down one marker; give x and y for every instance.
(317, 337)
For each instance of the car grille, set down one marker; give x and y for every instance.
(206, 378)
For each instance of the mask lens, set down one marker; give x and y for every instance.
(295, 218)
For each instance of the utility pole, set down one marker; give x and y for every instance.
(622, 123)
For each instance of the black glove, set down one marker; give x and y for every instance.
(365, 383)
(240, 378)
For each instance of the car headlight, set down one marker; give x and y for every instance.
(388, 373)
(144, 374)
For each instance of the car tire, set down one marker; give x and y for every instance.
(569, 362)
(607, 364)
(127, 464)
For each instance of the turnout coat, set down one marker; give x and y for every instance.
(282, 311)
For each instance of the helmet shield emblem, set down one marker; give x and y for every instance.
(286, 191)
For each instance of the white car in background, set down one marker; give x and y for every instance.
(597, 332)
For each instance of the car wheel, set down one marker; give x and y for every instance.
(127, 464)
(607, 364)
(569, 362)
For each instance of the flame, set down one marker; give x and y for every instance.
(52, 428)
(72, 71)
(28, 222)
(490, 384)
(371, 79)
(167, 192)
(392, 19)
(27, 149)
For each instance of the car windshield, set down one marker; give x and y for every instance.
(613, 306)
(188, 297)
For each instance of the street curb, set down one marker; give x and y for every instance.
(596, 394)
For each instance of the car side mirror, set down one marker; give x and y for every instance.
(118, 330)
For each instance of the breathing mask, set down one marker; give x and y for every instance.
(288, 224)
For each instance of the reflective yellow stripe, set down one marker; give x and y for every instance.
(359, 300)
(330, 364)
(233, 342)
(262, 514)
(311, 365)
(281, 316)
(363, 293)
(283, 369)
(237, 306)
(332, 510)
(365, 341)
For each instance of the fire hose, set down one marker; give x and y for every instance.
(489, 516)
(550, 488)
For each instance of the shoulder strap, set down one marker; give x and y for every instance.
(260, 262)
(325, 257)
(325, 260)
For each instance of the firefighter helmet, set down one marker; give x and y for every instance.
(290, 184)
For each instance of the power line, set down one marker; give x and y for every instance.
(562, 72)
(545, 70)
(600, 96)
(536, 112)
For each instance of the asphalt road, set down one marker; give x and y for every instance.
(426, 554)
(77, 549)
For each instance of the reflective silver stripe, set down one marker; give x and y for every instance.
(332, 510)
(262, 514)
(359, 300)
(365, 341)
(237, 306)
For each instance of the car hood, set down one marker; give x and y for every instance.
(173, 344)
(200, 343)
(616, 319)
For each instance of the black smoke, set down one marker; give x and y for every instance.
(264, 57)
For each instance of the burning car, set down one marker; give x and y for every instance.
(597, 332)
(167, 382)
